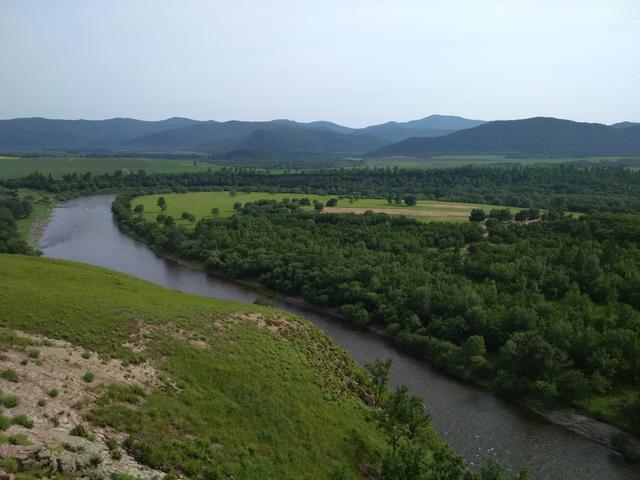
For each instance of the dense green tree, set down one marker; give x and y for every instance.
(379, 371)
(410, 200)
(189, 217)
(477, 215)
(527, 355)
(501, 214)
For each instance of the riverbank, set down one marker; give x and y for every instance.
(599, 432)
(32, 228)
(37, 227)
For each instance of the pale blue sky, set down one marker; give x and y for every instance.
(356, 62)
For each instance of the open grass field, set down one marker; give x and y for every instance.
(464, 160)
(58, 166)
(253, 391)
(200, 204)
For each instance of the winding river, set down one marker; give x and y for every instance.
(476, 423)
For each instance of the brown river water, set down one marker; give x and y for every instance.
(475, 422)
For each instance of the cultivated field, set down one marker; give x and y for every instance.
(12, 167)
(201, 203)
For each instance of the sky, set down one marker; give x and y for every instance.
(354, 62)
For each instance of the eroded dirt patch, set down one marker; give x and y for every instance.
(273, 323)
(54, 384)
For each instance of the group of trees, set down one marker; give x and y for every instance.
(504, 215)
(549, 309)
(12, 209)
(411, 453)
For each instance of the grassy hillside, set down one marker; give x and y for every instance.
(251, 391)
(201, 203)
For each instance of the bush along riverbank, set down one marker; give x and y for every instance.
(543, 312)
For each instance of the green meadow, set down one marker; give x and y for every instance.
(200, 205)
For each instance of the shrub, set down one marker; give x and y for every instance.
(9, 375)
(11, 465)
(42, 402)
(53, 393)
(86, 355)
(79, 431)
(89, 377)
(70, 448)
(34, 353)
(19, 439)
(11, 401)
(95, 459)
(112, 443)
(22, 420)
(4, 422)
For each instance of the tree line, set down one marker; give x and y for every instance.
(13, 209)
(580, 188)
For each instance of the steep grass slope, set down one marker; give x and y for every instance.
(240, 392)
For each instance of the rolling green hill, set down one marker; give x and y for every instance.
(253, 391)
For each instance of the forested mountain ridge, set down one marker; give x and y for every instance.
(431, 126)
(43, 133)
(533, 136)
(181, 134)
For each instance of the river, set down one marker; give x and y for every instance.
(475, 422)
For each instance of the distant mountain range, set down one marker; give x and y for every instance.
(538, 136)
(429, 136)
(182, 134)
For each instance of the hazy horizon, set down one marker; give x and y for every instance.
(355, 62)
(300, 121)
